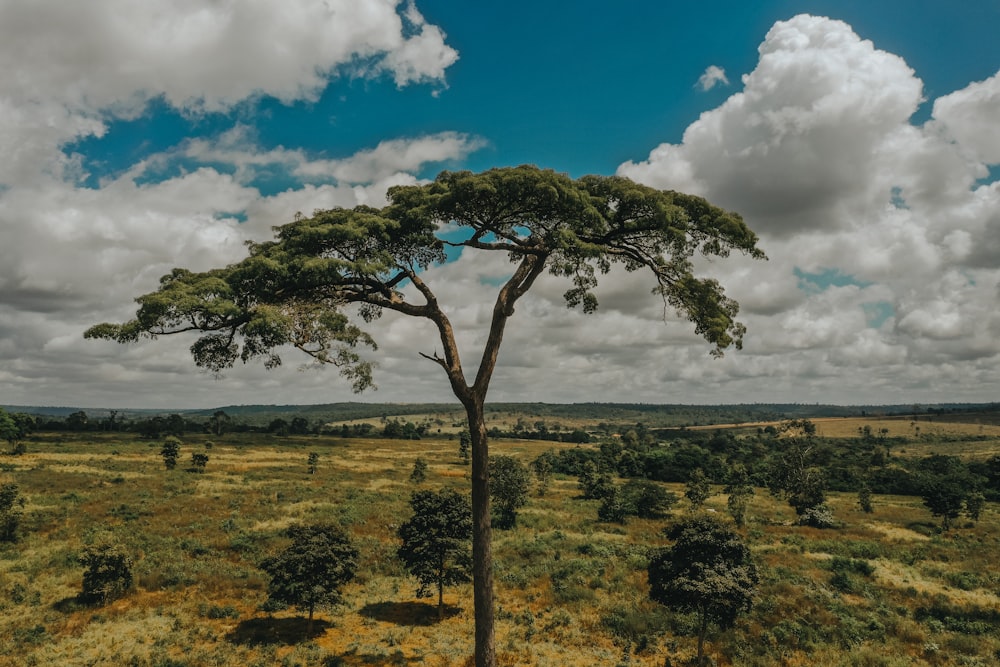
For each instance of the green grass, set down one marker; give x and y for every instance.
(884, 589)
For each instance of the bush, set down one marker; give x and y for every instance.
(818, 516)
(108, 574)
(170, 450)
(10, 512)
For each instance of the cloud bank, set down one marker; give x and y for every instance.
(883, 234)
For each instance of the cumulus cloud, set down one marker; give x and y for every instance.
(883, 233)
(71, 66)
(820, 155)
(712, 77)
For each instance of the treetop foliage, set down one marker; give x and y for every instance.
(293, 290)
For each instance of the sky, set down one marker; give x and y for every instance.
(860, 140)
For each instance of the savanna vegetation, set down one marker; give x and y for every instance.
(111, 557)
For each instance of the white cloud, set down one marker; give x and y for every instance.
(712, 77)
(819, 154)
(969, 116)
(70, 66)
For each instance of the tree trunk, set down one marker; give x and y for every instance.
(440, 598)
(701, 638)
(482, 548)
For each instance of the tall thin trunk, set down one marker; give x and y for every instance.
(701, 638)
(482, 547)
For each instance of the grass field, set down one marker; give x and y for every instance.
(570, 589)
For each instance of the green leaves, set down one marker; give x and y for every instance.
(311, 570)
(293, 291)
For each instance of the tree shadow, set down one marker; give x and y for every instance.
(72, 604)
(407, 613)
(354, 659)
(270, 630)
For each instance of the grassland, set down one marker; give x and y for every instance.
(570, 589)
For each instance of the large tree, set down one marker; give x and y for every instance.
(297, 289)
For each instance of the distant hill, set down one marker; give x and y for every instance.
(653, 415)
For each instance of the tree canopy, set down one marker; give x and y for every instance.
(311, 570)
(435, 546)
(708, 570)
(326, 276)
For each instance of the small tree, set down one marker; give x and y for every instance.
(613, 508)
(797, 476)
(310, 571)
(108, 573)
(419, 473)
(974, 504)
(435, 539)
(219, 423)
(944, 496)
(698, 489)
(10, 512)
(593, 483)
(14, 427)
(198, 461)
(740, 492)
(313, 462)
(508, 490)
(865, 499)
(465, 446)
(170, 451)
(708, 571)
(647, 499)
(542, 467)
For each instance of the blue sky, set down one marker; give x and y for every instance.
(572, 85)
(860, 139)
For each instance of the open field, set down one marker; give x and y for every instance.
(570, 589)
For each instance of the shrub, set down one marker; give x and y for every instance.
(818, 516)
(170, 450)
(108, 574)
(10, 512)
(199, 461)
(419, 472)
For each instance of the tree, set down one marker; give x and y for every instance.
(508, 489)
(865, 499)
(464, 445)
(945, 484)
(647, 499)
(77, 421)
(594, 484)
(613, 508)
(797, 476)
(697, 490)
(219, 422)
(435, 539)
(295, 290)
(11, 504)
(198, 461)
(708, 571)
(740, 492)
(170, 450)
(542, 467)
(419, 473)
(312, 569)
(313, 462)
(975, 502)
(108, 573)
(944, 496)
(14, 427)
